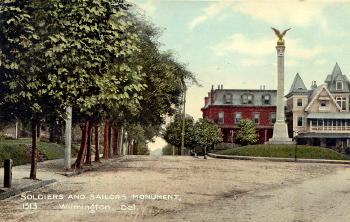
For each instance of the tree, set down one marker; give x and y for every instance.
(206, 134)
(172, 133)
(246, 133)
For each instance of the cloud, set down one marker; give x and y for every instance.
(252, 62)
(293, 13)
(282, 13)
(208, 13)
(149, 7)
(238, 43)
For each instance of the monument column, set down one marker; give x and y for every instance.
(280, 129)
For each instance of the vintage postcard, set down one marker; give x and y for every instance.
(174, 110)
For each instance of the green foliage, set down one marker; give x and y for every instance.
(169, 150)
(286, 151)
(206, 134)
(18, 150)
(172, 133)
(142, 149)
(246, 133)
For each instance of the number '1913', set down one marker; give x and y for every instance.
(29, 206)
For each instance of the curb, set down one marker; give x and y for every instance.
(275, 159)
(31, 187)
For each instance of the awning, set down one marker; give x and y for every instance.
(324, 135)
(328, 116)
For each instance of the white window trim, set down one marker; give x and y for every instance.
(336, 85)
(223, 118)
(240, 113)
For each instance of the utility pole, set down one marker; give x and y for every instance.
(68, 139)
(183, 122)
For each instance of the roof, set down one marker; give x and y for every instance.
(328, 116)
(336, 70)
(298, 85)
(323, 135)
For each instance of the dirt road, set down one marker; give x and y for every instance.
(135, 188)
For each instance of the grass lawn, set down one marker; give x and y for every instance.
(286, 151)
(19, 150)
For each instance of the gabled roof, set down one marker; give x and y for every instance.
(298, 85)
(317, 92)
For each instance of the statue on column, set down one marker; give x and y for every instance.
(280, 36)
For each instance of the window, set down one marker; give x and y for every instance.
(272, 118)
(220, 117)
(299, 102)
(238, 117)
(300, 121)
(339, 85)
(323, 104)
(341, 102)
(256, 118)
(227, 98)
(247, 99)
(266, 99)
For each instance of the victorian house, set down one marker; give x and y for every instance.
(320, 115)
(226, 107)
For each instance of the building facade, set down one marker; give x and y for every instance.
(320, 116)
(227, 106)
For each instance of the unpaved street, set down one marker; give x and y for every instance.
(136, 188)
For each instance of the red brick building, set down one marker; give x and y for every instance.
(227, 106)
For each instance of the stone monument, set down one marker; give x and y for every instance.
(280, 130)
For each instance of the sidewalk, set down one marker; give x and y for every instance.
(220, 156)
(47, 172)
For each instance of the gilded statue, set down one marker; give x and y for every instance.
(280, 36)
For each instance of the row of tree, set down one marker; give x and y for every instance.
(202, 135)
(98, 57)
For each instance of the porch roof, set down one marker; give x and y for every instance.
(323, 135)
(328, 116)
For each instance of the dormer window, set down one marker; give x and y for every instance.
(247, 99)
(266, 99)
(339, 85)
(227, 98)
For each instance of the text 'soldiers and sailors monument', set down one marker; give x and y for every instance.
(280, 130)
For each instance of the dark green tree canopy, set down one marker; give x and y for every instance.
(246, 133)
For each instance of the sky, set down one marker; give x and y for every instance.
(231, 42)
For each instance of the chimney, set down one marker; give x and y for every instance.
(212, 87)
(218, 86)
(222, 86)
(313, 85)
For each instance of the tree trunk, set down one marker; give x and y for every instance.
(105, 141)
(38, 131)
(110, 151)
(97, 154)
(83, 146)
(134, 148)
(33, 164)
(205, 152)
(115, 140)
(88, 152)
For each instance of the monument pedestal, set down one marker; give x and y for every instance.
(280, 135)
